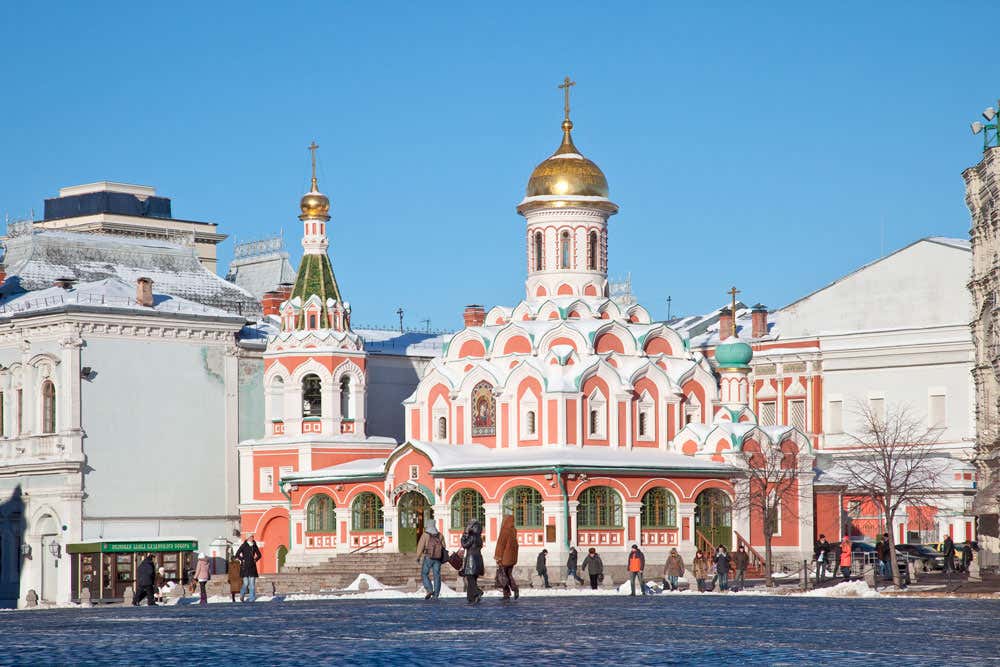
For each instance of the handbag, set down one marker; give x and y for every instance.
(456, 559)
(502, 581)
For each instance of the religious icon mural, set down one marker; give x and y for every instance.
(484, 410)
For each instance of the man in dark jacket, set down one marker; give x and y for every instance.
(145, 577)
(571, 565)
(948, 548)
(541, 568)
(821, 554)
(248, 554)
(741, 559)
(594, 567)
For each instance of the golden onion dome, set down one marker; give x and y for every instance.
(567, 173)
(314, 204)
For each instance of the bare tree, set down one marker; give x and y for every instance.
(769, 488)
(895, 464)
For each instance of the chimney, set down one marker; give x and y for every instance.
(758, 321)
(725, 323)
(144, 292)
(475, 316)
(271, 301)
(64, 283)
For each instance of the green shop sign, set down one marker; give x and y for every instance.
(129, 547)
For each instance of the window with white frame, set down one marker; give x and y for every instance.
(692, 410)
(529, 416)
(835, 416)
(596, 414)
(877, 406)
(797, 414)
(266, 480)
(768, 413)
(439, 415)
(936, 410)
(645, 427)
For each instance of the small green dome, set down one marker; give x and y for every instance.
(733, 355)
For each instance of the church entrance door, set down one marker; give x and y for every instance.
(713, 519)
(412, 509)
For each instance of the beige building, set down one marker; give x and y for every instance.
(982, 195)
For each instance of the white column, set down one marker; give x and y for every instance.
(614, 438)
(779, 416)
(686, 547)
(330, 414)
(557, 550)
(297, 517)
(561, 416)
(741, 515)
(360, 411)
(632, 510)
(232, 430)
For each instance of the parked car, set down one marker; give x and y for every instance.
(939, 546)
(927, 558)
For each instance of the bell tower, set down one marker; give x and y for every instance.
(566, 207)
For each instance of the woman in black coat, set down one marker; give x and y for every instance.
(472, 566)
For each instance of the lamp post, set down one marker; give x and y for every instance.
(989, 129)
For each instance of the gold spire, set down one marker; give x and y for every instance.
(733, 292)
(315, 205)
(567, 125)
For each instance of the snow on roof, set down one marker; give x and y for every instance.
(377, 341)
(961, 244)
(110, 293)
(703, 330)
(454, 459)
(34, 260)
(261, 273)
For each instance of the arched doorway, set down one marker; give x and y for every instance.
(713, 517)
(411, 511)
(49, 529)
(272, 538)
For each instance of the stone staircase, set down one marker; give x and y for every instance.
(391, 569)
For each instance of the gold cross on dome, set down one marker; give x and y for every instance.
(312, 149)
(733, 292)
(565, 86)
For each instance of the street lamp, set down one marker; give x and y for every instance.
(989, 129)
(26, 550)
(54, 549)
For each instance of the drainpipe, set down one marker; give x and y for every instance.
(562, 486)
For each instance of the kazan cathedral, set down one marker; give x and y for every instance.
(589, 422)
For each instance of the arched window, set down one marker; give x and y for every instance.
(538, 251)
(366, 512)
(346, 398)
(312, 396)
(531, 422)
(319, 515)
(564, 250)
(525, 503)
(659, 509)
(48, 407)
(442, 428)
(592, 251)
(600, 507)
(643, 427)
(277, 399)
(466, 506)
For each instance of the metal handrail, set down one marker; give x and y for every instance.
(365, 548)
(757, 561)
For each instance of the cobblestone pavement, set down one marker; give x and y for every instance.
(691, 630)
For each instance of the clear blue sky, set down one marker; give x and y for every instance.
(759, 147)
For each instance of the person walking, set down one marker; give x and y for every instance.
(542, 568)
(673, 569)
(160, 583)
(202, 575)
(741, 560)
(948, 549)
(821, 554)
(571, 566)
(235, 579)
(845, 558)
(505, 554)
(882, 552)
(145, 580)
(636, 564)
(966, 556)
(430, 554)
(472, 565)
(249, 554)
(700, 569)
(594, 567)
(722, 563)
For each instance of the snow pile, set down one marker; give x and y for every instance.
(847, 589)
(373, 583)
